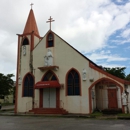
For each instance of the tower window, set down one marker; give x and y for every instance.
(25, 42)
(50, 40)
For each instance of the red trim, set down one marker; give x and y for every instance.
(37, 35)
(41, 98)
(24, 80)
(16, 93)
(57, 98)
(107, 74)
(51, 72)
(91, 64)
(30, 34)
(47, 84)
(50, 32)
(89, 90)
(53, 84)
(32, 42)
(79, 81)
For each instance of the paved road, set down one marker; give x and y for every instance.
(59, 123)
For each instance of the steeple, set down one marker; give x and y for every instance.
(31, 24)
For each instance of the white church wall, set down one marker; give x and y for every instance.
(128, 90)
(119, 97)
(36, 99)
(66, 58)
(25, 60)
(98, 98)
(105, 97)
(24, 103)
(93, 98)
(36, 41)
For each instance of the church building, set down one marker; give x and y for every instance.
(55, 78)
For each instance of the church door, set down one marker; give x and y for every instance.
(112, 98)
(49, 98)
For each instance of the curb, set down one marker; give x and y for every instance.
(5, 112)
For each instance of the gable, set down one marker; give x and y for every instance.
(67, 56)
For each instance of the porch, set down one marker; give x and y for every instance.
(105, 94)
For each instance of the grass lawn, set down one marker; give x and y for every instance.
(124, 114)
(96, 114)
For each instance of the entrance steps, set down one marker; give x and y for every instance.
(49, 111)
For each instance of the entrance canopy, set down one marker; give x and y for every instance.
(47, 84)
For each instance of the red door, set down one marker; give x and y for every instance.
(112, 98)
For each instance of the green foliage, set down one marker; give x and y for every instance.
(6, 84)
(96, 114)
(128, 77)
(124, 114)
(117, 71)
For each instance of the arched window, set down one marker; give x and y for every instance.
(73, 83)
(28, 86)
(25, 42)
(49, 76)
(50, 40)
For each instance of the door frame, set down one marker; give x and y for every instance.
(41, 98)
(115, 92)
(49, 98)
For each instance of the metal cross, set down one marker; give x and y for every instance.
(50, 20)
(31, 5)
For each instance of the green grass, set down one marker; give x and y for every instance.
(124, 114)
(96, 114)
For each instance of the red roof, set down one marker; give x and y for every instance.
(31, 24)
(47, 84)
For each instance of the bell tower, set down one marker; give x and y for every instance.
(26, 43)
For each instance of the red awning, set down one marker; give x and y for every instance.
(47, 84)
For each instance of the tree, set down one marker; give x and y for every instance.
(128, 77)
(117, 71)
(6, 84)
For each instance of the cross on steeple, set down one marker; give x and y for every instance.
(50, 20)
(31, 5)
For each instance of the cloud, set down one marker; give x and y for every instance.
(87, 25)
(93, 28)
(106, 56)
(126, 33)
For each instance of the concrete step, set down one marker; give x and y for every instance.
(49, 111)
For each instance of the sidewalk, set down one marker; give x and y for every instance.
(9, 111)
(6, 108)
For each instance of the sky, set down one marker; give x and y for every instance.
(99, 29)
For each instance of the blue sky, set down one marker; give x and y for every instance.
(99, 29)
